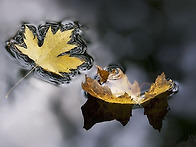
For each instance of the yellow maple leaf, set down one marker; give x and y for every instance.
(118, 89)
(50, 55)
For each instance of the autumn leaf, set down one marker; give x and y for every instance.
(52, 51)
(118, 89)
(161, 86)
(48, 56)
(104, 92)
(103, 74)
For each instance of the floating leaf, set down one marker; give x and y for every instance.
(55, 49)
(118, 89)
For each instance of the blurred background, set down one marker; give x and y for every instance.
(147, 37)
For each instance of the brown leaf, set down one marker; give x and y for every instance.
(92, 87)
(161, 86)
(118, 89)
(103, 74)
(95, 89)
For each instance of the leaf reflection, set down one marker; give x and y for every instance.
(156, 109)
(96, 111)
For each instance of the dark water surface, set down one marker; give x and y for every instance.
(147, 37)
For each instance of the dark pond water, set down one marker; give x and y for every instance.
(147, 37)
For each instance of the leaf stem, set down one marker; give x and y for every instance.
(20, 81)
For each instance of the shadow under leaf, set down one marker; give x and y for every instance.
(156, 109)
(96, 110)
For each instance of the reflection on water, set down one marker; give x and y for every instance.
(96, 111)
(156, 109)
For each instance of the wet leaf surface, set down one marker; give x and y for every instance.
(117, 88)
